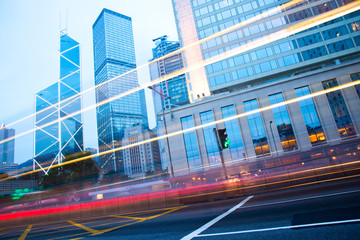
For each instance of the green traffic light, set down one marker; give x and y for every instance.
(227, 143)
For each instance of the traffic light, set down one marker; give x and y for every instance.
(224, 141)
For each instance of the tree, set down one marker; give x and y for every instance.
(84, 169)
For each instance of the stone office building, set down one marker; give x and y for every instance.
(285, 132)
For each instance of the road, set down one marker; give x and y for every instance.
(322, 211)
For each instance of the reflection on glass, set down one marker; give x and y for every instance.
(191, 144)
(233, 131)
(355, 77)
(257, 130)
(339, 110)
(210, 138)
(311, 118)
(283, 124)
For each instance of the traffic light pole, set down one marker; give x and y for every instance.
(221, 154)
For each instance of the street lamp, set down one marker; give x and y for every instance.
(167, 139)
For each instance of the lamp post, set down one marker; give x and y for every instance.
(167, 139)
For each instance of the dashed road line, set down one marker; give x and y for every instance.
(215, 220)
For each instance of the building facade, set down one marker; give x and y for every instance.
(7, 146)
(144, 159)
(174, 90)
(170, 93)
(255, 27)
(114, 55)
(290, 133)
(58, 118)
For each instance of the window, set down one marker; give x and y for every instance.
(191, 144)
(314, 53)
(311, 118)
(257, 130)
(339, 110)
(283, 124)
(210, 139)
(356, 77)
(233, 131)
(308, 40)
(340, 45)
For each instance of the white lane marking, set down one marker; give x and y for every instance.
(301, 199)
(280, 228)
(218, 218)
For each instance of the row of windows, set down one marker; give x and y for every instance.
(272, 64)
(282, 20)
(282, 124)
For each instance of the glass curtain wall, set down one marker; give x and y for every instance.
(356, 77)
(210, 139)
(339, 110)
(191, 144)
(257, 130)
(234, 135)
(311, 117)
(283, 123)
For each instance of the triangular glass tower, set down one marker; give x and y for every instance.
(58, 121)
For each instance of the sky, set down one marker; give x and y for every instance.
(30, 60)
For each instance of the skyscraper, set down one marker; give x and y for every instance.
(58, 119)
(114, 55)
(170, 93)
(7, 146)
(329, 43)
(175, 89)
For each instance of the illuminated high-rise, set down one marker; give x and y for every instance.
(58, 118)
(7, 146)
(329, 43)
(114, 55)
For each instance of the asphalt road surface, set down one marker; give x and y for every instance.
(322, 211)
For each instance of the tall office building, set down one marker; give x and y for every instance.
(174, 90)
(114, 55)
(142, 159)
(262, 61)
(7, 146)
(170, 93)
(329, 43)
(58, 119)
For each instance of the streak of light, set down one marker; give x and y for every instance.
(261, 16)
(154, 195)
(220, 57)
(346, 9)
(282, 181)
(343, 86)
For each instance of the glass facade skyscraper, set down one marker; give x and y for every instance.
(175, 89)
(329, 43)
(58, 119)
(7, 146)
(170, 93)
(114, 56)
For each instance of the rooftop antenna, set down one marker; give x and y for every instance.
(63, 31)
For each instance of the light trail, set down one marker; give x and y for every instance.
(343, 86)
(338, 12)
(271, 12)
(217, 58)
